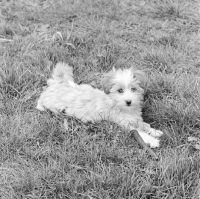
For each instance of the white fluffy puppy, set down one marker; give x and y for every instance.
(120, 102)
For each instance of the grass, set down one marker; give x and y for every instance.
(39, 158)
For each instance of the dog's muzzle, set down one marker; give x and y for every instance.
(128, 102)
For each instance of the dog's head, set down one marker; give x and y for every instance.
(124, 86)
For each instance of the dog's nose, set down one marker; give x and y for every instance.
(128, 102)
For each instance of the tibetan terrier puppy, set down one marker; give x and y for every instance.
(120, 102)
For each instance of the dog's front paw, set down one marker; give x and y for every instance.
(150, 140)
(155, 133)
(154, 143)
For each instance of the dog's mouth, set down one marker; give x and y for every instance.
(128, 105)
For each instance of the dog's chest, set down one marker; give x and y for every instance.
(128, 115)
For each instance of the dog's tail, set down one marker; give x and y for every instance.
(62, 73)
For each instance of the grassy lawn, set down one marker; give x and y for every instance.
(39, 158)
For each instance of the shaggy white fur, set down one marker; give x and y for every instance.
(120, 102)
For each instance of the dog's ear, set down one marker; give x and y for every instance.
(107, 81)
(140, 76)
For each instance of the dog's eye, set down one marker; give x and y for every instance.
(120, 90)
(133, 89)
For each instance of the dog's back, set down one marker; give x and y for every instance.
(62, 73)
